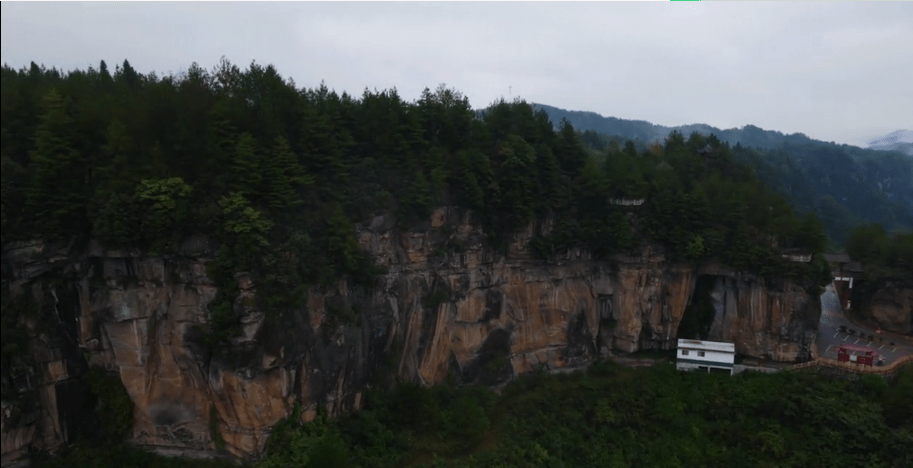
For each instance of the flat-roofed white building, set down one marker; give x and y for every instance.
(705, 356)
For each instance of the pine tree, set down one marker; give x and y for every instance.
(570, 153)
(246, 168)
(112, 207)
(221, 143)
(58, 194)
(516, 178)
(117, 172)
(284, 175)
(164, 210)
(128, 74)
(103, 73)
(13, 192)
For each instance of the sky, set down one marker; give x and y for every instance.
(835, 71)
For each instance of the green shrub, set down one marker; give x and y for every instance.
(214, 431)
(114, 406)
(437, 298)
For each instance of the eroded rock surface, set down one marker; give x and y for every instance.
(769, 322)
(892, 308)
(448, 304)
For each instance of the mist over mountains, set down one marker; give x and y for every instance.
(843, 185)
(900, 140)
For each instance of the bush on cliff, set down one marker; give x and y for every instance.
(114, 406)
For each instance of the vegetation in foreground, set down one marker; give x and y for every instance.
(608, 416)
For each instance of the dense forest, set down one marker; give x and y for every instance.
(278, 175)
(843, 185)
(607, 416)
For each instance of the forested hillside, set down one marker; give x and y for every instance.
(845, 186)
(278, 174)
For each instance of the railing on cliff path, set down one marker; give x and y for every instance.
(627, 201)
(849, 367)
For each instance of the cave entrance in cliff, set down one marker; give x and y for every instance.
(698, 316)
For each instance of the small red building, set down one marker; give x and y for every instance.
(842, 355)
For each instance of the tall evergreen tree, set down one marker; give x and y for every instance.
(57, 199)
(283, 176)
(246, 168)
(570, 153)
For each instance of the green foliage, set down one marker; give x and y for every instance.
(437, 297)
(896, 404)
(283, 177)
(123, 455)
(246, 167)
(214, 430)
(14, 340)
(612, 416)
(345, 315)
(114, 407)
(843, 186)
(313, 445)
(58, 195)
(244, 231)
(607, 416)
(887, 259)
(164, 208)
(267, 161)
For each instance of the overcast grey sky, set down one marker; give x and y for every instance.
(836, 71)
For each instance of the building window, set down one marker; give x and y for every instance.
(700, 354)
(684, 352)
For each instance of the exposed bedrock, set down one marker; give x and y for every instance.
(448, 305)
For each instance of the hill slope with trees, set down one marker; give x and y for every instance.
(845, 186)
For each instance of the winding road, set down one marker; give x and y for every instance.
(830, 337)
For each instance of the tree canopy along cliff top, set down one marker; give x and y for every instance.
(278, 174)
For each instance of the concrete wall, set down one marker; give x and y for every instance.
(709, 356)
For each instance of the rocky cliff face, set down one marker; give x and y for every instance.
(892, 308)
(775, 322)
(448, 305)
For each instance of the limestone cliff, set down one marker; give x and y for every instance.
(775, 322)
(448, 304)
(892, 308)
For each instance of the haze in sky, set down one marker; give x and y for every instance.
(836, 71)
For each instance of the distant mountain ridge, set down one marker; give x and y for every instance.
(645, 132)
(900, 140)
(843, 185)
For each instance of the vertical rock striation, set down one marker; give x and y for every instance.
(448, 305)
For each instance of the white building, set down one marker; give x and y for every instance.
(705, 356)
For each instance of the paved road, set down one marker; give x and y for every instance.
(830, 338)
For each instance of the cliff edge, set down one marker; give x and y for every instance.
(448, 306)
